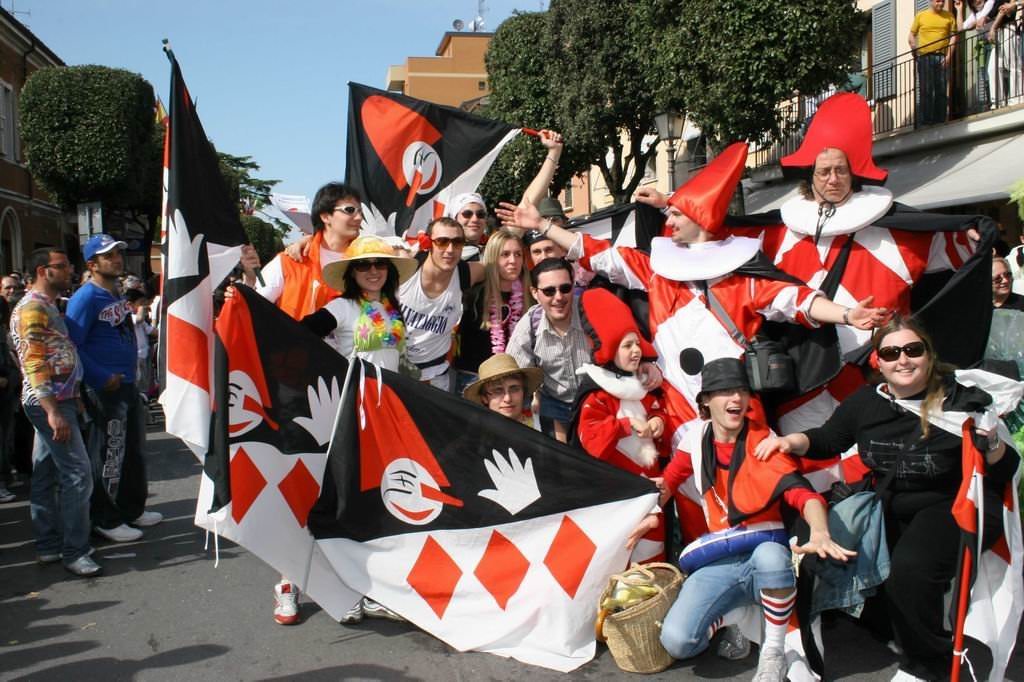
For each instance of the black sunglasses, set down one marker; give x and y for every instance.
(348, 209)
(443, 242)
(561, 288)
(365, 265)
(914, 349)
(469, 213)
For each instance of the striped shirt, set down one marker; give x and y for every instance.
(559, 356)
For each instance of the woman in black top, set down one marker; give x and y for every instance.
(922, 535)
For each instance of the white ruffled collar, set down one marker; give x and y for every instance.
(622, 387)
(702, 261)
(863, 208)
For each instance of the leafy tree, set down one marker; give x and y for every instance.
(251, 193)
(89, 136)
(742, 58)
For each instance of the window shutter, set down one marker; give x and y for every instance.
(883, 50)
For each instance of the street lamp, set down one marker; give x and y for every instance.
(670, 128)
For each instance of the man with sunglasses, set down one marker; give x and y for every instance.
(550, 336)
(469, 210)
(1003, 297)
(294, 278)
(431, 300)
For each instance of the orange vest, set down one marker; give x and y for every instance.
(304, 289)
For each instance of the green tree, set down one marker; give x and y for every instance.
(89, 136)
(265, 236)
(251, 193)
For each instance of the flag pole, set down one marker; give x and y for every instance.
(961, 614)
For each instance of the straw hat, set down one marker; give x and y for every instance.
(501, 365)
(368, 247)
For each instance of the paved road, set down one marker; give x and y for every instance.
(161, 611)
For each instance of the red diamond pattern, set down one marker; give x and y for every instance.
(300, 491)
(246, 484)
(569, 556)
(501, 569)
(434, 576)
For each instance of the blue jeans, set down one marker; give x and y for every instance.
(716, 589)
(61, 486)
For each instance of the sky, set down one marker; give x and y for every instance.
(269, 77)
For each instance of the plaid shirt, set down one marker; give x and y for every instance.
(559, 356)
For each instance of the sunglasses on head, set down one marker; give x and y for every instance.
(348, 209)
(443, 242)
(469, 213)
(561, 289)
(365, 265)
(914, 349)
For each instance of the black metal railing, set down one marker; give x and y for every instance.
(910, 92)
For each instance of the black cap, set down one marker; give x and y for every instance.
(534, 236)
(723, 374)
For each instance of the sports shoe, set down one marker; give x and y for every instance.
(84, 567)
(147, 519)
(732, 645)
(771, 666)
(372, 609)
(353, 615)
(286, 603)
(6, 495)
(122, 533)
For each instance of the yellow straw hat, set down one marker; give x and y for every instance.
(368, 247)
(501, 365)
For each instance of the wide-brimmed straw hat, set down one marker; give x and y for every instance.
(502, 365)
(368, 247)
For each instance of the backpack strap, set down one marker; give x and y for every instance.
(465, 276)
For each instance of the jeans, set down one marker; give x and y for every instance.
(931, 87)
(714, 590)
(116, 443)
(61, 486)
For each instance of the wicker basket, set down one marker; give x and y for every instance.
(633, 634)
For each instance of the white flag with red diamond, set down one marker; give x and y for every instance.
(477, 529)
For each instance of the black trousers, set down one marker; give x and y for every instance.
(116, 442)
(924, 544)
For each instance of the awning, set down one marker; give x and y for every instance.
(965, 173)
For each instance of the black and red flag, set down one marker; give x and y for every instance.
(481, 531)
(202, 240)
(409, 158)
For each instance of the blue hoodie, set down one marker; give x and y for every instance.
(101, 326)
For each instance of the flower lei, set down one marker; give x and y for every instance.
(499, 329)
(379, 326)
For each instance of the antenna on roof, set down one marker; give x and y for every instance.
(458, 24)
(16, 12)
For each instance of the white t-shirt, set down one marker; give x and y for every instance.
(273, 274)
(346, 313)
(142, 331)
(429, 322)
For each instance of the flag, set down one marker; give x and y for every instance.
(632, 225)
(202, 239)
(409, 158)
(295, 208)
(475, 528)
(276, 401)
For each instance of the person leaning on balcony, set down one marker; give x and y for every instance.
(1004, 69)
(932, 39)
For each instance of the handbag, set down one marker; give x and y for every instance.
(769, 368)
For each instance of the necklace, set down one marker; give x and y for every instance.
(502, 325)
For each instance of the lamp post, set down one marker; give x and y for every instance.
(670, 128)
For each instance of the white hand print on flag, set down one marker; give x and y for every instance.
(323, 405)
(515, 485)
(183, 253)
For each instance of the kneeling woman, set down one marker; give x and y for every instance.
(366, 317)
(908, 431)
(737, 491)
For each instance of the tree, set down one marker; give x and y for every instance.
(266, 237)
(743, 58)
(251, 193)
(89, 136)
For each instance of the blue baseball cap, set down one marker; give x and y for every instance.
(101, 243)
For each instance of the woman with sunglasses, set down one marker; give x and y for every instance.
(907, 431)
(366, 318)
(492, 309)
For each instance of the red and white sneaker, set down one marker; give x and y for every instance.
(286, 603)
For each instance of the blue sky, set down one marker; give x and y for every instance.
(269, 77)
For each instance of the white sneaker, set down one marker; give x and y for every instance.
(147, 519)
(771, 666)
(353, 615)
(84, 567)
(122, 533)
(286, 603)
(732, 645)
(372, 609)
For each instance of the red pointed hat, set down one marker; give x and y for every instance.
(705, 197)
(606, 319)
(842, 122)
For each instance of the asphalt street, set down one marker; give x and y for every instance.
(162, 611)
